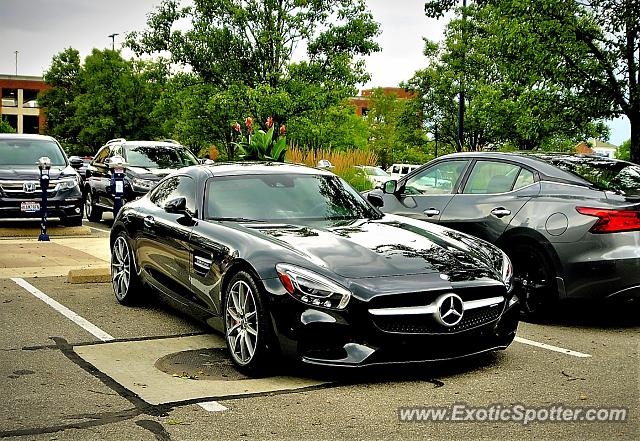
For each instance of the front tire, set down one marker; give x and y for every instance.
(246, 328)
(124, 279)
(534, 280)
(91, 210)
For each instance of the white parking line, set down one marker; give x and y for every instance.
(99, 229)
(212, 406)
(80, 321)
(551, 347)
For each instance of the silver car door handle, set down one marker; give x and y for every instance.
(500, 212)
(149, 221)
(431, 212)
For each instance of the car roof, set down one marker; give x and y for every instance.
(543, 162)
(148, 144)
(256, 168)
(25, 136)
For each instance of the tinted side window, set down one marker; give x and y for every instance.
(438, 179)
(176, 187)
(101, 155)
(525, 177)
(489, 177)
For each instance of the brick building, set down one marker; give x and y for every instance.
(19, 103)
(362, 102)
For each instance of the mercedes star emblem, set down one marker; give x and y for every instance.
(450, 309)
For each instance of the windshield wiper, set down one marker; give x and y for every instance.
(235, 219)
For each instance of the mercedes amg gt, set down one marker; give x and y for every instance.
(290, 260)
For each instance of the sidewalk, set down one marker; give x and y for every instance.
(30, 258)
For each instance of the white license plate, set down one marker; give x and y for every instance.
(30, 207)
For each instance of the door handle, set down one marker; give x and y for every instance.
(500, 212)
(431, 212)
(149, 221)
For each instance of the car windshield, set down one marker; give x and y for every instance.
(156, 156)
(26, 152)
(603, 173)
(375, 171)
(284, 198)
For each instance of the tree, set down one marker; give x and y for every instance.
(591, 47)
(5, 127)
(240, 55)
(59, 100)
(395, 129)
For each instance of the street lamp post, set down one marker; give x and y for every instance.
(16, 52)
(113, 41)
(44, 164)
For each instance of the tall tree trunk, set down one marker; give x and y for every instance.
(634, 119)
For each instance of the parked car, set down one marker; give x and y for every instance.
(147, 163)
(288, 259)
(374, 174)
(570, 223)
(82, 169)
(20, 192)
(399, 170)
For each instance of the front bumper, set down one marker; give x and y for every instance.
(352, 338)
(62, 204)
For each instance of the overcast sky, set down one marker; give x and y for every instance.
(39, 29)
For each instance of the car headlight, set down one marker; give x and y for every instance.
(67, 183)
(146, 184)
(507, 272)
(312, 288)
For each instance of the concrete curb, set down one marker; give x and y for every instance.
(97, 274)
(53, 231)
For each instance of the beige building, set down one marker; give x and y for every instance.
(19, 103)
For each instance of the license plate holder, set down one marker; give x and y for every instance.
(30, 207)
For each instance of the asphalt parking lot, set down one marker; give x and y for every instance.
(77, 365)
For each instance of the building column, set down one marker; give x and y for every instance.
(20, 111)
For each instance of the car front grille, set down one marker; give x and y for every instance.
(426, 324)
(16, 190)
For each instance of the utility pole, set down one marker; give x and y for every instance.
(16, 52)
(462, 78)
(113, 41)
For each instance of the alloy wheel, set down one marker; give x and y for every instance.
(120, 268)
(241, 317)
(88, 204)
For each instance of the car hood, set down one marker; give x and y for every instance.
(33, 173)
(388, 247)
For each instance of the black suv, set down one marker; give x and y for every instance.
(20, 194)
(147, 163)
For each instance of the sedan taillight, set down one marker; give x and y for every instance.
(612, 221)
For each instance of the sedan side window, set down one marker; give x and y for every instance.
(101, 155)
(489, 177)
(176, 187)
(524, 178)
(439, 179)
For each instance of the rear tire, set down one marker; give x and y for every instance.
(126, 284)
(246, 326)
(534, 279)
(93, 212)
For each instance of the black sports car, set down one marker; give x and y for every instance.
(289, 259)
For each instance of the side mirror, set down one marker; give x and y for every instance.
(375, 199)
(176, 206)
(76, 162)
(206, 161)
(390, 187)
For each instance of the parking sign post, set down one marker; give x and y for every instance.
(44, 164)
(117, 166)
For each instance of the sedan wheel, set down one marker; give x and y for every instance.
(125, 282)
(246, 329)
(93, 213)
(534, 280)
